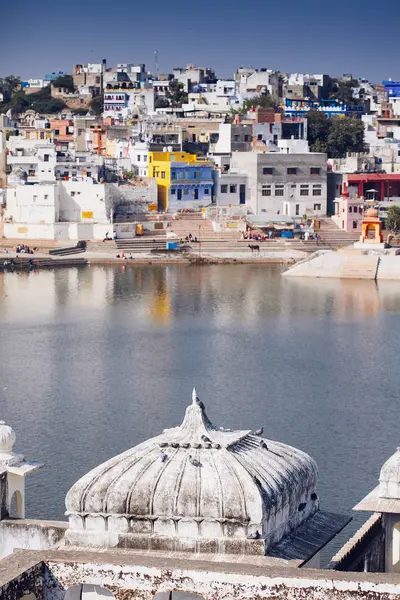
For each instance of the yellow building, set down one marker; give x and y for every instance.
(183, 180)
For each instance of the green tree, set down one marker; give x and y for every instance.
(19, 103)
(161, 102)
(79, 111)
(43, 103)
(262, 101)
(96, 105)
(318, 127)
(345, 135)
(343, 91)
(10, 84)
(177, 94)
(64, 81)
(393, 218)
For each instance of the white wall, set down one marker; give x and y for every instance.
(33, 203)
(78, 197)
(56, 231)
(29, 535)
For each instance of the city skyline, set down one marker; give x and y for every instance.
(300, 38)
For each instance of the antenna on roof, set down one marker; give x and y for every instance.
(157, 69)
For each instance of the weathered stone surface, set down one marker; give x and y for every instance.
(136, 576)
(194, 481)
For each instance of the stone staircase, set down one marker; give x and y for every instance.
(334, 237)
(359, 267)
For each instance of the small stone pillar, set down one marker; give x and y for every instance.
(13, 469)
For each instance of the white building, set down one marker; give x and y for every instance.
(31, 161)
(256, 81)
(120, 103)
(138, 152)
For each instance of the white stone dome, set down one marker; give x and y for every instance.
(7, 438)
(194, 481)
(389, 478)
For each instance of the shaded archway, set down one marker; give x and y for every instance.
(88, 591)
(172, 595)
(15, 510)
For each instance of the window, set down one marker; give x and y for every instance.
(317, 190)
(185, 192)
(150, 159)
(31, 173)
(236, 137)
(304, 191)
(57, 131)
(173, 191)
(317, 207)
(247, 138)
(263, 210)
(268, 170)
(162, 174)
(144, 157)
(315, 170)
(259, 137)
(266, 190)
(279, 190)
(72, 194)
(46, 196)
(224, 189)
(138, 157)
(196, 194)
(206, 191)
(350, 209)
(89, 173)
(297, 209)
(292, 170)
(354, 224)
(73, 173)
(233, 189)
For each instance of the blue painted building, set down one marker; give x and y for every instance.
(392, 88)
(191, 185)
(332, 108)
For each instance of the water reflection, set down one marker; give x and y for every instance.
(234, 294)
(94, 360)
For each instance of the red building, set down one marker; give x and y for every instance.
(375, 186)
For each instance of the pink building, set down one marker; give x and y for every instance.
(349, 212)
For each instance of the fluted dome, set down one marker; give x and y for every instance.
(195, 481)
(7, 438)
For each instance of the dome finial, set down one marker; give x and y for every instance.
(195, 398)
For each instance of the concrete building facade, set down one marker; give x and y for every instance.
(284, 184)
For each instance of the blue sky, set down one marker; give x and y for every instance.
(292, 35)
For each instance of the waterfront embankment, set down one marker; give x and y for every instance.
(349, 263)
(12, 260)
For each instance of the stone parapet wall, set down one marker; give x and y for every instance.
(29, 534)
(138, 576)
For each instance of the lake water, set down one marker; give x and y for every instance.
(95, 360)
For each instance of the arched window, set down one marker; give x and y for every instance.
(350, 209)
(16, 510)
(88, 591)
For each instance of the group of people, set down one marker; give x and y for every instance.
(257, 236)
(122, 255)
(190, 238)
(108, 238)
(22, 249)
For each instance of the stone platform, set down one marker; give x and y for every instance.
(351, 263)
